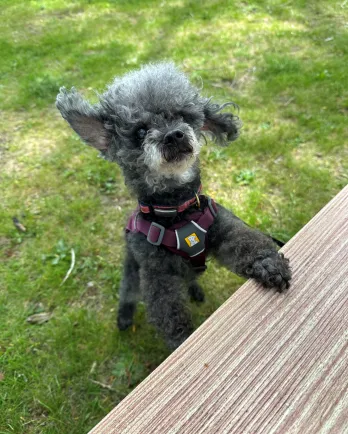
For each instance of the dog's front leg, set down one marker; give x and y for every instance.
(163, 288)
(247, 252)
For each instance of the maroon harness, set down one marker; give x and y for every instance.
(186, 237)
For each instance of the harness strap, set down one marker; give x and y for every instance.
(169, 211)
(158, 234)
(181, 238)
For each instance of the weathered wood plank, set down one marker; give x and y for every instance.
(263, 362)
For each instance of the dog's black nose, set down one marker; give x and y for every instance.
(176, 136)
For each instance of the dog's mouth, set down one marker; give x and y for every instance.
(176, 153)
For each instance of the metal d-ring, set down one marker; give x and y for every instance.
(198, 201)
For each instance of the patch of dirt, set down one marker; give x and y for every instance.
(91, 298)
(23, 142)
(119, 203)
(308, 153)
(4, 242)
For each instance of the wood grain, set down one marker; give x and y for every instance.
(263, 362)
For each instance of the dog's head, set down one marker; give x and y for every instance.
(149, 121)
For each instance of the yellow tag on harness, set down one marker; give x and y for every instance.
(192, 240)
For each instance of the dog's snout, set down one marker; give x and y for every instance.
(175, 137)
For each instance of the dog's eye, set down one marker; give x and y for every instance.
(141, 133)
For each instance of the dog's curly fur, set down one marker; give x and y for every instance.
(151, 122)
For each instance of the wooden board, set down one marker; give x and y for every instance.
(263, 362)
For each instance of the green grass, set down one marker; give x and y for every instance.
(284, 64)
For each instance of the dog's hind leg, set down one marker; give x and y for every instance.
(129, 293)
(195, 291)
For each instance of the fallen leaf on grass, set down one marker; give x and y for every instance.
(104, 386)
(18, 224)
(94, 365)
(39, 318)
(71, 266)
(2, 376)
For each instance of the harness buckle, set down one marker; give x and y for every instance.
(155, 234)
(165, 212)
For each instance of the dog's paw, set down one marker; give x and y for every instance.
(196, 292)
(124, 323)
(272, 269)
(125, 315)
(180, 336)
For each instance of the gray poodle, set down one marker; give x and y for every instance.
(152, 122)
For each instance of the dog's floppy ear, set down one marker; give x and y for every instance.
(224, 126)
(83, 118)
